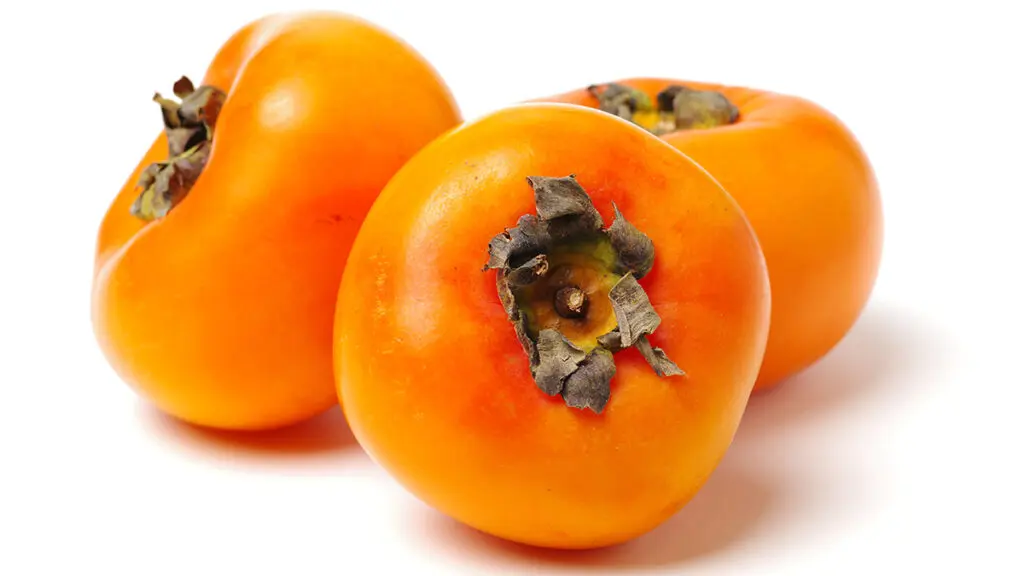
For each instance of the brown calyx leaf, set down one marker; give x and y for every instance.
(529, 271)
(181, 139)
(692, 109)
(201, 107)
(166, 183)
(666, 99)
(523, 334)
(633, 310)
(183, 87)
(620, 100)
(564, 205)
(527, 239)
(169, 110)
(590, 385)
(558, 358)
(634, 248)
(703, 110)
(518, 320)
(657, 359)
(636, 320)
(611, 341)
(188, 126)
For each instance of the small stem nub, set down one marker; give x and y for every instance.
(571, 302)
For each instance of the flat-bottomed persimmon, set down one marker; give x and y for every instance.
(802, 180)
(218, 263)
(549, 326)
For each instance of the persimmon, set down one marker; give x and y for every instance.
(549, 326)
(803, 181)
(218, 262)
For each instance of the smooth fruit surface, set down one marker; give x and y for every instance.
(436, 385)
(810, 193)
(221, 312)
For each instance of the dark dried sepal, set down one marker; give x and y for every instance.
(181, 139)
(522, 333)
(590, 385)
(557, 359)
(527, 239)
(666, 99)
(183, 87)
(563, 210)
(529, 272)
(657, 359)
(167, 183)
(201, 107)
(508, 302)
(634, 248)
(620, 100)
(702, 109)
(168, 110)
(611, 341)
(188, 127)
(633, 310)
(191, 121)
(564, 206)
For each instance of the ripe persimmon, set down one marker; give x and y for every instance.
(804, 183)
(549, 326)
(218, 262)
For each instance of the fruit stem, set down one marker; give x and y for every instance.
(571, 302)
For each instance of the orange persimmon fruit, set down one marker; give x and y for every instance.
(218, 263)
(802, 180)
(549, 326)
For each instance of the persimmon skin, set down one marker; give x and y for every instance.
(437, 388)
(811, 195)
(221, 313)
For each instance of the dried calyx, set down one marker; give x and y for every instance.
(569, 287)
(188, 126)
(675, 108)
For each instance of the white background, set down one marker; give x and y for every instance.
(900, 450)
